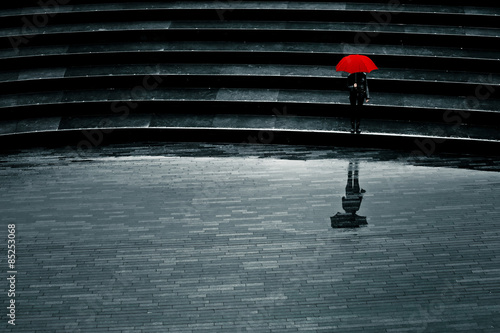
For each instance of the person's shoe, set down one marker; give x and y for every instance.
(358, 131)
(352, 130)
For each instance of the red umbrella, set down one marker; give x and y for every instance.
(355, 63)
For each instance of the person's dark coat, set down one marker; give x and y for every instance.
(361, 91)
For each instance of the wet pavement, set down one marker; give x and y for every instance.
(239, 238)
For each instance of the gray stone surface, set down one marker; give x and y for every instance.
(237, 238)
(244, 70)
(333, 27)
(269, 123)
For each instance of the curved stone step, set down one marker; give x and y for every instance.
(245, 121)
(382, 12)
(330, 97)
(313, 71)
(88, 132)
(247, 76)
(444, 109)
(27, 3)
(251, 31)
(391, 56)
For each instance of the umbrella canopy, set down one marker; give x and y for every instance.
(347, 220)
(355, 63)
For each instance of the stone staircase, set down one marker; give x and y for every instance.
(86, 73)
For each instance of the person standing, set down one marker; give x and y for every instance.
(358, 94)
(351, 202)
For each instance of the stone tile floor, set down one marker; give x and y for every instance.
(237, 238)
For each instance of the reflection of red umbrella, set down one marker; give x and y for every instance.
(347, 220)
(355, 63)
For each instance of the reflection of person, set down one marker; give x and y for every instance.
(358, 94)
(353, 193)
(351, 202)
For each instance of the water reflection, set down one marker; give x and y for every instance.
(351, 202)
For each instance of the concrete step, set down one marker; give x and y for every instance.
(246, 76)
(251, 31)
(327, 103)
(86, 132)
(390, 56)
(396, 11)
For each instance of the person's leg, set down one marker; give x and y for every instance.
(349, 188)
(356, 188)
(360, 100)
(353, 100)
